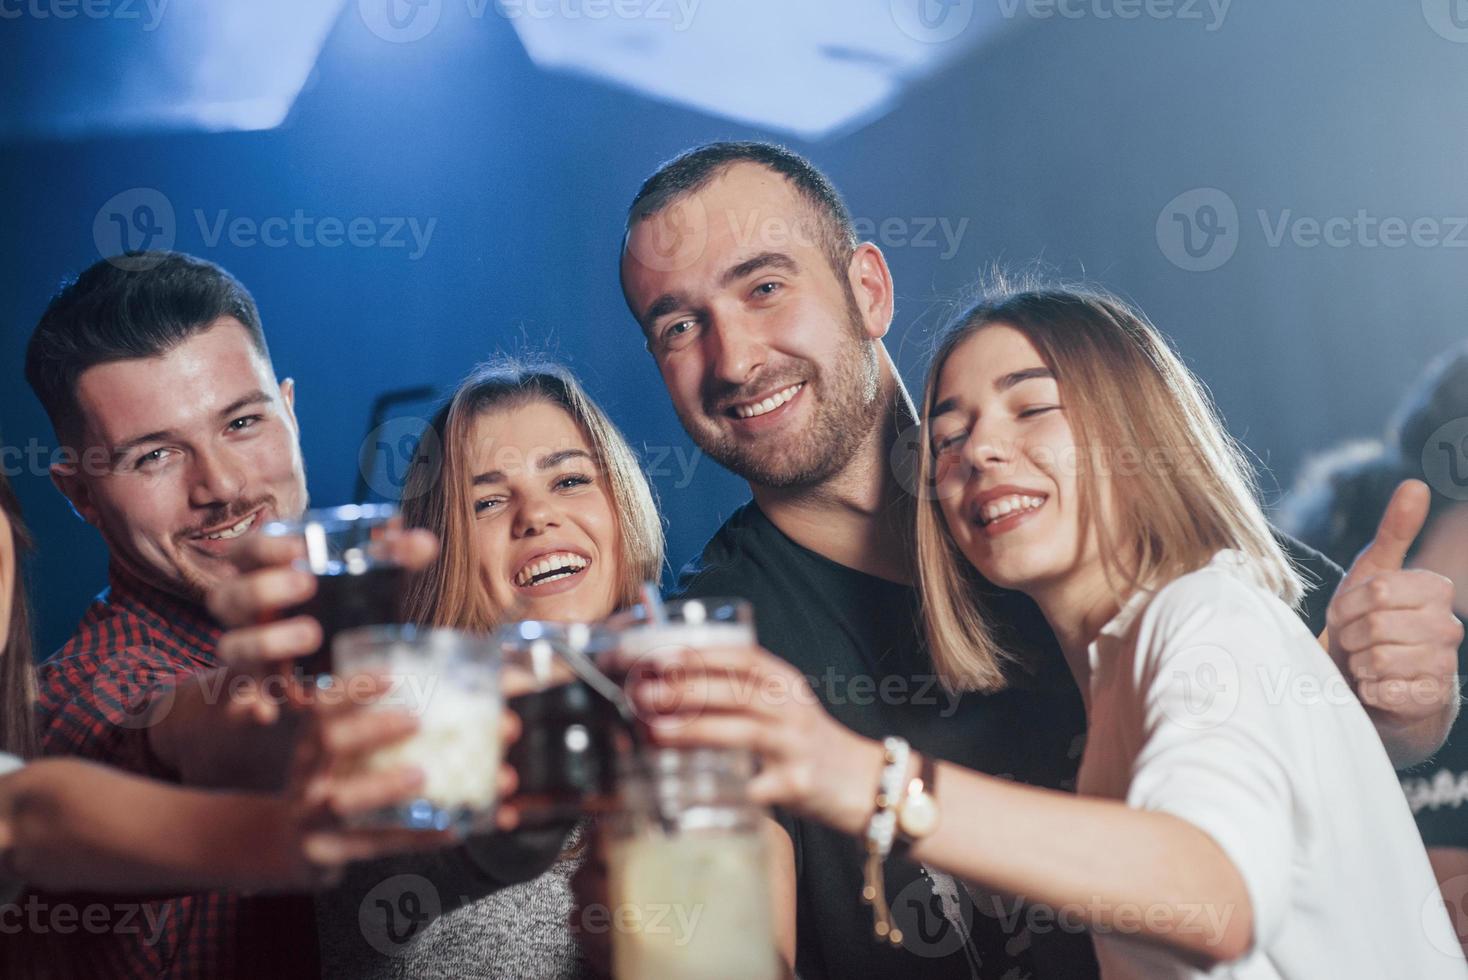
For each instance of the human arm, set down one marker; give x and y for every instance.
(1098, 860)
(71, 824)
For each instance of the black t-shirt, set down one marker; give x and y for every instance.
(1438, 788)
(859, 641)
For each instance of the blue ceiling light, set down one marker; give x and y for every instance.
(811, 68)
(124, 66)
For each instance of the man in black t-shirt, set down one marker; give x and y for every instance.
(765, 317)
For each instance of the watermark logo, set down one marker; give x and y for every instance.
(405, 21)
(304, 230)
(136, 220)
(905, 459)
(1445, 460)
(131, 697)
(1448, 19)
(1198, 231)
(1452, 893)
(143, 220)
(400, 21)
(146, 922)
(932, 21)
(1212, 13)
(672, 239)
(387, 453)
(1206, 687)
(397, 911)
(935, 916)
(150, 12)
(678, 13)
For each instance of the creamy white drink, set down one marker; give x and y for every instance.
(449, 682)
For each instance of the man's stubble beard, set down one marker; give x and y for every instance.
(850, 407)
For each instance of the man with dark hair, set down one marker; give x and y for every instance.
(180, 440)
(177, 438)
(769, 343)
(176, 434)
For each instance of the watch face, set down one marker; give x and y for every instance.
(919, 816)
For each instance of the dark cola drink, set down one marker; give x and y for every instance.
(345, 600)
(566, 756)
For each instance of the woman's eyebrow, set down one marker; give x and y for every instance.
(1013, 378)
(547, 462)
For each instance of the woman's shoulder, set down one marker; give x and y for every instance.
(1225, 602)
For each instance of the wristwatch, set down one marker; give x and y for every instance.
(917, 811)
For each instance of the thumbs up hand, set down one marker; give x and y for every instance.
(1393, 634)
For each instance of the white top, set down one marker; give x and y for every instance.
(1211, 701)
(9, 889)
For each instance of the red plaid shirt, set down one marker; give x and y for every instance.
(133, 641)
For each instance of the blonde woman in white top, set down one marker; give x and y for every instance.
(1237, 814)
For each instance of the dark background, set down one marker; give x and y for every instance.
(1059, 139)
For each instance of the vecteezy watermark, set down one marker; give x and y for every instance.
(678, 14)
(1447, 18)
(1199, 230)
(675, 919)
(36, 458)
(41, 917)
(676, 462)
(1211, 13)
(675, 237)
(753, 230)
(149, 12)
(1207, 684)
(140, 219)
(143, 219)
(952, 469)
(919, 232)
(386, 455)
(935, 915)
(1441, 932)
(1204, 687)
(1100, 917)
(680, 673)
(405, 21)
(136, 694)
(932, 21)
(141, 693)
(1445, 459)
(397, 911)
(302, 230)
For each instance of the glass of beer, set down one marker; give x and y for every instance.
(688, 872)
(449, 681)
(572, 735)
(357, 582)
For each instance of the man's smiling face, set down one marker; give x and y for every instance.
(768, 360)
(183, 452)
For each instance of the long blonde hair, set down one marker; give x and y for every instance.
(437, 493)
(1188, 491)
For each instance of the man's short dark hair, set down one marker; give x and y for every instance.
(142, 304)
(692, 170)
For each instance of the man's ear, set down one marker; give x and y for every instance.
(72, 484)
(871, 284)
(288, 396)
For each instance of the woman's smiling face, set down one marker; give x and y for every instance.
(1004, 461)
(546, 530)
